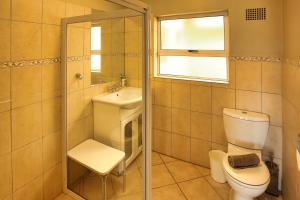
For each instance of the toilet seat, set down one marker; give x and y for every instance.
(255, 176)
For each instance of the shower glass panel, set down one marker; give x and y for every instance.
(100, 49)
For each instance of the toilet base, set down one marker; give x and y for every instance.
(237, 196)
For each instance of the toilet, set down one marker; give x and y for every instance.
(246, 133)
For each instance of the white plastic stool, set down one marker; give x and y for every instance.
(99, 158)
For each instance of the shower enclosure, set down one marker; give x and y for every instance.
(101, 53)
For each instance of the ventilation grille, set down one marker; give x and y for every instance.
(256, 14)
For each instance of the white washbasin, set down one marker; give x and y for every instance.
(128, 97)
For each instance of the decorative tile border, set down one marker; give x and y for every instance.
(292, 61)
(23, 63)
(255, 59)
(47, 61)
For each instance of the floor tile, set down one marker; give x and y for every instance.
(203, 170)
(269, 197)
(183, 171)
(135, 196)
(222, 189)
(167, 159)
(64, 196)
(170, 192)
(156, 159)
(161, 176)
(198, 189)
(134, 183)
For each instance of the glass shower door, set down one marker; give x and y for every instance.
(98, 50)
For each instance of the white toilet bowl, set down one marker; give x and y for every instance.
(248, 183)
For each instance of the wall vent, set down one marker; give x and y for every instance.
(256, 14)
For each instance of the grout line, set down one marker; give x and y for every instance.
(175, 182)
(10, 110)
(216, 191)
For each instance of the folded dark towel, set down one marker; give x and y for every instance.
(243, 161)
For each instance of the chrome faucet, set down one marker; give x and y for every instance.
(114, 87)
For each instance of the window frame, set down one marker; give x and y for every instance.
(194, 53)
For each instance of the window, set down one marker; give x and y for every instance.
(193, 47)
(96, 49)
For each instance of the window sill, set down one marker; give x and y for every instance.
(192, 79)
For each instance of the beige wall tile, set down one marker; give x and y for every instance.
(79, 131)
(4, 39)
(52, 182)
(222, 98)
(221, 147)
(132, 42)
(26, 125)
(73, 83)
(271, 77)
(26, 40)
(181, 120)
(53, 11)
(51, 150)
(5, 9)
(32, 190)
(162, 142)
(162, 118)
(87, 76)
(199, 152)
(117, 45)
(162, 94)
(75, 103)
(27, 164)
(133, 24)
(218, 132)
(181, 147)
(118, 25)
(271, 104)
(6, 176)
(51, 115)
(273, 144)
(26, 85)
(5, 133)
(201, 99)
(51, 80)
(201, 126)
(181, 95)
(5, 89)
(30, 11)
(247, 100)
(75, 39)
(87, 41)
(74, 10)
(51, 43)
(248, 75)
(131, 67)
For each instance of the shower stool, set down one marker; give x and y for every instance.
(99, 158)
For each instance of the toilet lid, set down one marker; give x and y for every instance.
(254, 176)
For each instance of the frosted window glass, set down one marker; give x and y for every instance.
(205, 33)
(196, 67)
(96, 63)
(96, 38)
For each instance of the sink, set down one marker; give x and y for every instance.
(128, 97)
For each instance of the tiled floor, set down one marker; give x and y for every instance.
(171, 179)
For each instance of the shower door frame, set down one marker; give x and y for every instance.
(134, 7)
